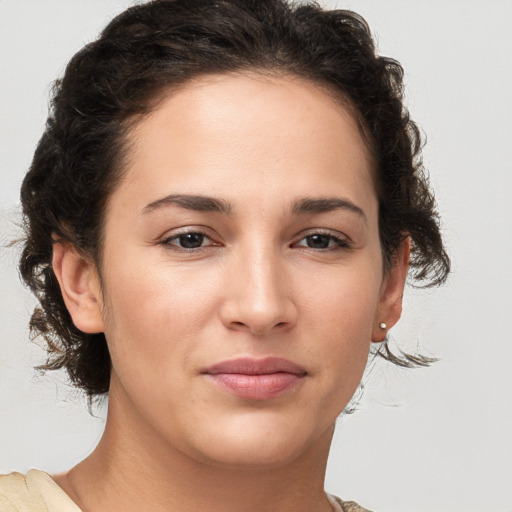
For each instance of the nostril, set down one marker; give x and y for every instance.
(258, 315)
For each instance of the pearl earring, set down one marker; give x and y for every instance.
(383, 326)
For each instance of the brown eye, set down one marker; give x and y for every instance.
(318, 241)
(322, 241)
(193, 240)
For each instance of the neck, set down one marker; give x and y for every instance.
(133, 469)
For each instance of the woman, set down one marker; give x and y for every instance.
(221, 216)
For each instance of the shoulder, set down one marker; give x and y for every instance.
(33, 492)
(346, 506)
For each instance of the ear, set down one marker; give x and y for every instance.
(80, 287)
(389, 308)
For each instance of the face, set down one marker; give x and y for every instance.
(242, 273)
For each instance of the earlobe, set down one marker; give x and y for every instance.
(80, 287)
(389, 308)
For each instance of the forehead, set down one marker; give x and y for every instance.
(218, 133)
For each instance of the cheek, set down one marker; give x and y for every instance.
(341, 320)
(154, 316)
(345, 301)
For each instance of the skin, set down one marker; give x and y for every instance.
(257, 286)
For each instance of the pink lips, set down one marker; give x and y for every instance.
(256, 379)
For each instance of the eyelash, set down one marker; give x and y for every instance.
(170, 246)
(338, 243)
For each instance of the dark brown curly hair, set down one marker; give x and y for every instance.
(160, 45)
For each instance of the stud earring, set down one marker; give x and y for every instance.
(383, 326)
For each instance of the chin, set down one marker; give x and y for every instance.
(252, 457)
(261, 446)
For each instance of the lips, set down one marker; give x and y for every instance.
(256, 379)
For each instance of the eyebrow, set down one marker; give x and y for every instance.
(326, 204)
(191, 202)
(307, 205)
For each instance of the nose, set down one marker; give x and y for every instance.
(258, 296)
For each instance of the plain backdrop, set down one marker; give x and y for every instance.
(437, 439)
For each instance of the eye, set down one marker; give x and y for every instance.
(189, 240)
(322, 241)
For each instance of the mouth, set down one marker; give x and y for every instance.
(256, 379)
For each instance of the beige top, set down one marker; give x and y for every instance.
(33, 492)
(37, 492)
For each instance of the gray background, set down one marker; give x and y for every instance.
(436, 439)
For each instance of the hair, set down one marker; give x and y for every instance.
(159, 46)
